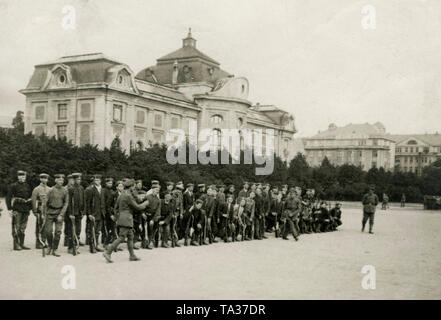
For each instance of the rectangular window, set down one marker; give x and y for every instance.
(84, 134)
(117, 112)
(157, 137)
(140, 117)
(62, 111)
(175, 123)
(85, 110)
(375, 153)
(39, 113)
(158, 120)
(61, 131)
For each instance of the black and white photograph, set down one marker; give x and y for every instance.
(203, 150)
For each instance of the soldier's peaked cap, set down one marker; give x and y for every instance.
(190, 184)
(70, 176)
(59, 175)
(138, 181)
(43, 176)
(97, 176)
(128, 182)
(170, 183)
(154, 182)
(109, 179)
(77, 175)
(200, 185)
(21, 173)
(179, 182)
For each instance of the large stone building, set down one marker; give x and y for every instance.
(414, 152)
(91, 99)
(363, 145)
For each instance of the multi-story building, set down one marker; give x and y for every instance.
(414, 152)
(91, 99)
(365, 145)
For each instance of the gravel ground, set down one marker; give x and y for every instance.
(405, 252)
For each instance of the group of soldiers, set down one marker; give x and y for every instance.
(124, 211)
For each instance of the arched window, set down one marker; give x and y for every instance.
(216, 139)
(216, 119)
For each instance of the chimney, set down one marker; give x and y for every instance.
(175, 73)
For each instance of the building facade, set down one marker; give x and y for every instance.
(363, 145)
(91, 99)
(414, 152)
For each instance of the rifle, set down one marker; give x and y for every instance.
(75, 242)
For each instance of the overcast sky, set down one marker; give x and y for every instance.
(310, 57)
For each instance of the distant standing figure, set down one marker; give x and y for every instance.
(385, 203)
(403, 200)
(370, 202)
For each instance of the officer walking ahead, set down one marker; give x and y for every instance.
(370, 201)
(18, 202)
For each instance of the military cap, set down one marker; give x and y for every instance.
(199, 201)
(109, 179)
(180, 185)
(190, 185)
(97, 176)
(246, 183)
(138, 181)
(154, 182)
(200, 185)
(77, 174)
(59, 175)
(170, 183)
(21, 173)
(119, 182)
(44, 176)
(70, 176)
(221, 186)
(274, 187)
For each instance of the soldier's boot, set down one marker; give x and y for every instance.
(55, 247)
(23, 247)
(176, 244)
(17, 246)
(150, 245)
(371, 226)
(363, 225)
(38, 244)
(70, 251)
(66, 241)
(133, 257)
(186, 241)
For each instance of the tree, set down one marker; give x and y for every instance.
(18, 122)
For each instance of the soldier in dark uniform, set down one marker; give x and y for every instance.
(370, 202)
(196, 222)
(109, 228)
(258, 215)
(94, 212)
(18, 202)
(177, 227)
(231, 190)
(284, 191)
(124, 207)
(57, 203)
(188, 201)
(138, 224)
(237, 223)
(226, 213)
(75, 211)
(209, 207)
(39, 201)
(266, 197)
(336, 216)
(201, 193)
(249, 216)
(291, 213)
(67, 226)
(165, 217)
(153, 211)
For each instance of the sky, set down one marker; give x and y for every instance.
(312, 58)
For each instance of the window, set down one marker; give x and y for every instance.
(216, 139)
(157, 137)
(158, 120)
(375, 153)
(61, 131)
(175, 123)
(39, 113)
(240, 123)
(62, 111)
(411, 149)
(140, 116)
(84, 134)
(61, 79)
(117, 112)
(216, 119)
(85, 110)
(406, 149)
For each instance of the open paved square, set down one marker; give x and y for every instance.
(405, 251)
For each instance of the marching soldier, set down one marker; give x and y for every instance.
(124, 207)
(39, 201)
(94, 212)
(57, 203)
(67, 225)
(188, 199)
(75, 212)
(152, 213)
(177, 227)
(18, 202)
(109, 228)
(370, 201)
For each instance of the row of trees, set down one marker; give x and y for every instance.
(346, 182)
